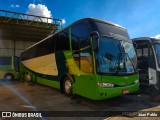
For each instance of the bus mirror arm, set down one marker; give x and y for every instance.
(95, 36)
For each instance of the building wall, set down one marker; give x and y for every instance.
(7, 47)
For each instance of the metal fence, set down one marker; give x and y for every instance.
(30, 20)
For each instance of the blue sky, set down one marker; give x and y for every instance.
(140, 17)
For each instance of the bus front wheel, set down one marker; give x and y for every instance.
(8, 76)
(67, 86)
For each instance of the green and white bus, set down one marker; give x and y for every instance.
(9, 67)
(91, 58)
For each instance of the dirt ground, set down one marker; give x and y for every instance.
(18, 96)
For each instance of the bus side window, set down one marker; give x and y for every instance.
(29, 54)
(145, 52)
(86, 64)
(5, 61)
(46, 47)
(143, 57)
(139, 52)
(78, 33)
(62, 40)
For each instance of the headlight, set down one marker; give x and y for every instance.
(137, 81)
(105, 84)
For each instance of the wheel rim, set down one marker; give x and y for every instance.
(9, 77)
(68, 86)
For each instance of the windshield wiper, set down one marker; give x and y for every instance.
(118, 62)
(119, 58)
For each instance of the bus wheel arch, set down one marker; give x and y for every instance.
(66, 84)
(8, 76)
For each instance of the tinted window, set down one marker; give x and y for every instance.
(145, 52)
(139, 52)
(79, 32)
(62, 40)
(109, 30)
(5, 60)
(86, 64)
(30, 53)
(46, 47)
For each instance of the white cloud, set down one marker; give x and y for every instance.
(14, 6)
(63, 21)
(157, 36)
(40, 10)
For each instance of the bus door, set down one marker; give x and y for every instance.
(86, 82)
(146, 63)
(86, 57)
(16, 63)
(143, 62)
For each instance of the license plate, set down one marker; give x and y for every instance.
(125, 91)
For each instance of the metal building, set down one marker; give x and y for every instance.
(19, 31)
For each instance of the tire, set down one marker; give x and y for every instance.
(67, 86)
(8, 77)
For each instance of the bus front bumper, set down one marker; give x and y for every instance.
(106, 93)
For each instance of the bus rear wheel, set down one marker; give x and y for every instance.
(8, 76)
(67, 86)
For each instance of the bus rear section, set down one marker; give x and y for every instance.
(9, 67)
(148, 56)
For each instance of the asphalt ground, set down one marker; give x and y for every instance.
(21, 97)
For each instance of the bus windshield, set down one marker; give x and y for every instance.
(115, 57)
